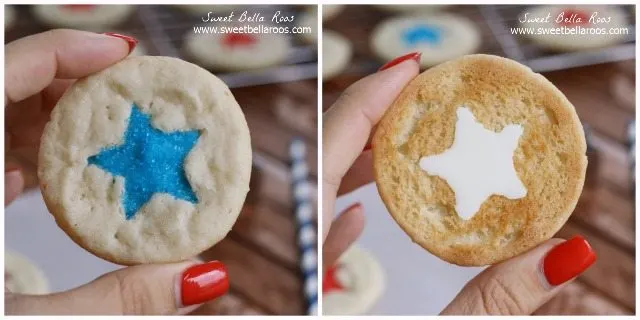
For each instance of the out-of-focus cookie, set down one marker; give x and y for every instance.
(439, 38)
(9, 16)
(237, 51)
(412, 9)
(353, 285)
(147, 161)
(22, 276)
(330, 11)
(574, 28)
(202, 10)
(84, 17)
(336, 54)
(309, 19)
(480, 159)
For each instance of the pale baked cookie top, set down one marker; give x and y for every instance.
(501, 95)
(353, 285)
(83, 16)
(22, 276)
(146, 161)
(438, 37)
(237, 50)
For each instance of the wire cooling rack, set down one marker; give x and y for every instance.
(161, 29)
(357, 23)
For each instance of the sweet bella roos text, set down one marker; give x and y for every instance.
(247, 17)
(562, 17)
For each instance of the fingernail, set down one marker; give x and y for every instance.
(130, 40)
(567, 260)
(204, 282)
(353, 207)
(415, 56)
(367, 147)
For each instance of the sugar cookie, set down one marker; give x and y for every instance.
(147, 161)
(238, 51)
(22, 276)
(336, 52)
(439, 38)
(413, 9)
(440, 167)
(309, 19)
(354, 285)
(85, 17)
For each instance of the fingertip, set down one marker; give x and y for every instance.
(410, 59)
(131, 41)
(202, 282)
(14, 184)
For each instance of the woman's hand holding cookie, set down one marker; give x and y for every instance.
(38, 69)
(348, 125)
(519, 285)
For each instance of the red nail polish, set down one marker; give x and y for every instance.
(204, 282)
(567, 260)
(415, 56)
(130, 40)
(367, 147)
(330, 282)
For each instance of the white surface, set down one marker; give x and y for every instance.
(417, 283)
(31, 231)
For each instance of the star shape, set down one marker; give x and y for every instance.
(150, 161)
(422, 33)
(478, 164)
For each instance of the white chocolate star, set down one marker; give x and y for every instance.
(478, 164)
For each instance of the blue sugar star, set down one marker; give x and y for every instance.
(422, 34)
(150, 161)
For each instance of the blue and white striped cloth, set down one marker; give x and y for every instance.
(307, 235)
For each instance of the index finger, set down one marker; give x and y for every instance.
(348, 123)
(31, 63)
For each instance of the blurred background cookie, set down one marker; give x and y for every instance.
(337, 51)
(329, 11)
(412, 9)
(22, 276)
(309, 19)
(353, 285)
(237, 51)
(84, 17)
(202, 10)
(439, 37)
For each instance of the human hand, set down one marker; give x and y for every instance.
(517, 286)
(347, 159)
(38, 69)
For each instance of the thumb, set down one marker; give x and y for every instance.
(166, 289)
(519, 286)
